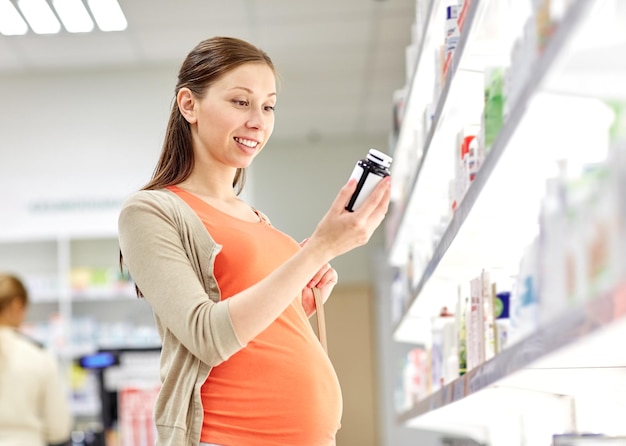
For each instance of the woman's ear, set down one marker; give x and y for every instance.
(186, 104)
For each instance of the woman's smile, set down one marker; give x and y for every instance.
(249, 145)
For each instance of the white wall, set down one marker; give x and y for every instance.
(73, 145)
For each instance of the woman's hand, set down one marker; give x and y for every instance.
(325, 279)
(340, 230)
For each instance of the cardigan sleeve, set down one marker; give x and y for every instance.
(153, 251)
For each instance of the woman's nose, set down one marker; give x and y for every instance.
(257, 120)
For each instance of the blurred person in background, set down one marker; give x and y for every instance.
(34, 410)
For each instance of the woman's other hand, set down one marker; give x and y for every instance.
(325, 279)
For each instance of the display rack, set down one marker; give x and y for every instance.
(450, 246)
(80, 302)
(547, 367)
(576, 340)
(399, 232)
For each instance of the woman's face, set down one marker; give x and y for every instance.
(234, 120)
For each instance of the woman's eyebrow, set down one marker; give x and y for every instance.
(250, 91)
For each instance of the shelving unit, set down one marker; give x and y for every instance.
(551, 363)
(79, 302)
(550, 381)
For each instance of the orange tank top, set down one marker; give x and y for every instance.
(281, 389)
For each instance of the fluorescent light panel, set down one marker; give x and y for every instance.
(108, 15)
(11, 22)
(39, 16)
(74, 15)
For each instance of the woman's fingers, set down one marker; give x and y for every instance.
(340, 230)
(330, 276)
(378, 200)
(379, 194)
(325, 274)
(372, 211)
(344, 195)
(382, 206)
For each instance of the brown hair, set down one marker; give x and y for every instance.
(10, 288)
(205, 64)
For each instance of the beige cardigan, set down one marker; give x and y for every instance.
(170, 256)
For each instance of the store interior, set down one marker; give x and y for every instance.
(489, 307)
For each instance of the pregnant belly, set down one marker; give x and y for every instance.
(280, 389)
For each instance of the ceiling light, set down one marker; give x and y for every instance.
(108, 15)
(39, 16)
(74, 15)
(11, 22)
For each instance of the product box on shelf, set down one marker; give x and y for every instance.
(399, 104)
(501, 311)
(451, 36)
(617, 161)
(493, 113)
(444, 366)
(416, 378)
(475, 326)
(466, 163)
(580, 239)
(524, 305)
(460, 324)
(399, 295)
(481, 326)
(100, 283)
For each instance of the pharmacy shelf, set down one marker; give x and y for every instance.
(570, 357)
(572, 64)
(400, 233)
(476, 218)
(403, 141)
(60, 305)
(563, 68)
(556, 377)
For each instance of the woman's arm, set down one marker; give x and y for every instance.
(156, 258)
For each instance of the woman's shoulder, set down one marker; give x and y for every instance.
(149, 207)
(154, 201)
(156, 196)
(158, 206)
(27, 345)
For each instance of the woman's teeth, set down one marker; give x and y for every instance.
(247, 142)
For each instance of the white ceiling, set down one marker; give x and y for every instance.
(339, 60)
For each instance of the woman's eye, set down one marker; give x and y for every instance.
(270, 108)
(240, 102)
